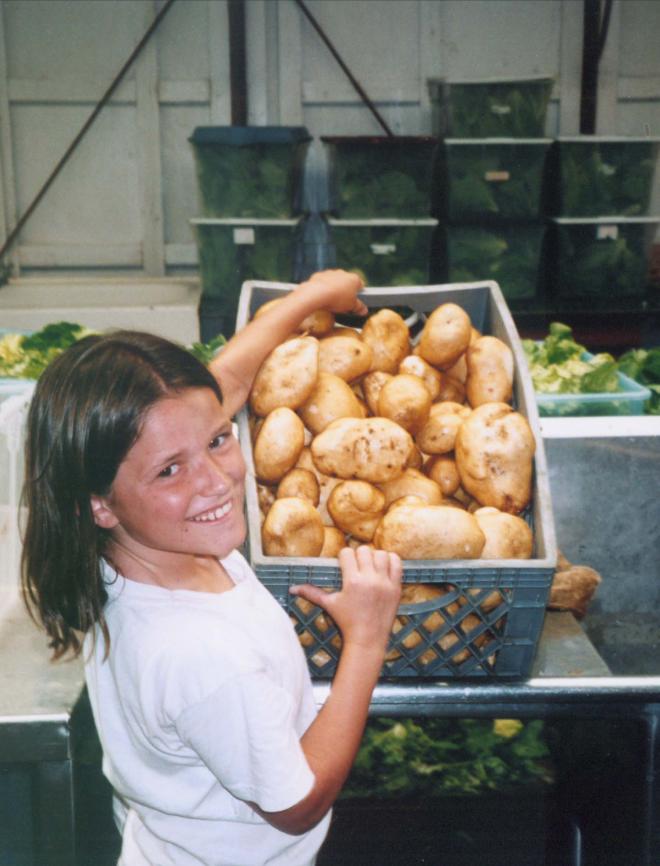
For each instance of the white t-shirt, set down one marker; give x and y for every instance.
(200, 707)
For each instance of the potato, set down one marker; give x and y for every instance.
(407, 500)
(388, 336)
(287, 376)
(442, 469)
(372, 385)
(451, 389)
(494, 455)
(458, 370)
(438, 435)
(330, 398)
(415, 365)
(445, 336)
(334, 540)
(300, 483)
(416, 459)
(279, 442)
(412, 483)
(490, 372)
(346, 357)
(356, 508)
(507, 535)
(430, 532)
(369, 449)
(326, 483)
(317, 324)
(292, 527)
(265, 497)
(406, 401)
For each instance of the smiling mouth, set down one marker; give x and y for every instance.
(216, 514)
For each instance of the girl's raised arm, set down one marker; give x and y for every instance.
(238, 363)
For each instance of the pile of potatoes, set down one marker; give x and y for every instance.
(361, 437)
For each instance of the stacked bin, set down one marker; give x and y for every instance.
(490, 183)
(250, 189)
(601, 230)
(379, 206)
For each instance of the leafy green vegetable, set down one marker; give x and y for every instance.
(387, 255)
(26, 356)
(257, 180)
(433, 757)
(601, 266)
(206, 352)
(494, 180)
(559, 365)
(514, 109)
(643, 365)
(508, 254)
(376, 177)
(599, 178)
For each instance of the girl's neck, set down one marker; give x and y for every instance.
(180, 571)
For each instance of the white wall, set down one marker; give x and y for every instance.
(123, 201)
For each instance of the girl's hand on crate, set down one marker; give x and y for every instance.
(337, 290)
(365, 607)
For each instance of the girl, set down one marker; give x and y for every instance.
(199, 687)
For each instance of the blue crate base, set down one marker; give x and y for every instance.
(485, 627)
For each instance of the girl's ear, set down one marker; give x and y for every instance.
(103, 514)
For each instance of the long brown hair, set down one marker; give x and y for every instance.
(87, 411)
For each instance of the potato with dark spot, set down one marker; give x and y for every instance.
(356, 508)
(430, 532)
(389, 338)
(369, 449)
(490, 372)
(438, 435)
(292, 527)
(330, 398)
(445, 336)
(494, 455)
(286, 377)
(344, 356)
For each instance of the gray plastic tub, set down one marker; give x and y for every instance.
(511, 630)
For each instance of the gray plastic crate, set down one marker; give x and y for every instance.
(479, 640)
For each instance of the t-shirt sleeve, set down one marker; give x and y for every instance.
(244, 733)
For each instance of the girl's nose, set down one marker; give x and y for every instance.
(212, 478)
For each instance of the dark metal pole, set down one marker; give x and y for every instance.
(356, 84)
(237, 62)
(90, 120)
(593, 43)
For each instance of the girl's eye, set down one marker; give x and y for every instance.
(219, 440)
(168, 471)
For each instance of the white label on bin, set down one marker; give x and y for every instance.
(604, 232)
(244, 235)
(500, 109)
(497, 176)
(383, 249)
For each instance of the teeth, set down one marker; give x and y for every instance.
(213, 515)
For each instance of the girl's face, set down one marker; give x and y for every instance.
(180, 488)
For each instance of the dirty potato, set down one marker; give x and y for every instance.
(372, 385)
(490, 372)
(287, 376)
(405, 399)
(389, 338)
(507, 535)
(356, 508)
(445, 336)
(369, 449)
(279, 442)
(430, 532)
(442, 469)
(292, 527)
(299, 483)
(494, 455)
(438, 435)
(330, 398)
(344, 356)
(415, 365)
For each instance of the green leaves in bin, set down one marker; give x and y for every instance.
(508, 255)
(558, 366)
(499, 109)
(597, 266)
(441, 757)
(643, 365)
(26, 356)
(599, 178)
(252, 181)
(386, 255)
